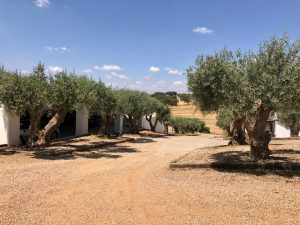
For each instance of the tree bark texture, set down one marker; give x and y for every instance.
(34, 127)
(103, 131)
(259, 138)
(53, 124)
(237, 132)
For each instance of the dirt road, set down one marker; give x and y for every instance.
(131, 184)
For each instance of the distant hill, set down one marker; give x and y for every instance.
(185, 110)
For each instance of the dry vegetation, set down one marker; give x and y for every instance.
(189, 110)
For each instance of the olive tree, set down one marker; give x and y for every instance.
(61, 98)
(25, 94)
(153, 107)
(251, 84)
(105, 105)
(163, 115)
(132, 104)
(66, 92)
(211, 80)
(36, 85)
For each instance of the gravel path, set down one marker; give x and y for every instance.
(131, 184)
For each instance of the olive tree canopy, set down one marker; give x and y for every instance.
(132, 104)
(250, 84)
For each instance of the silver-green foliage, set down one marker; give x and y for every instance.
(185, 125)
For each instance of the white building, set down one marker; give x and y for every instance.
(9, 128)
(277, 129)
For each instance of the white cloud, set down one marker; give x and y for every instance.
(41, 3)
(116, 75)
(173, 71)
(147, 77)
(108, 67)
(179, 83)
(55, 69)
(87, 71)
(56, 49)
(138, 83)
(203, 30)
(154, 69)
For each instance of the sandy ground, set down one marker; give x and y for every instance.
(131, 184)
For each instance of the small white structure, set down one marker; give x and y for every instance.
(276, 128)
(9, 128)
(281, 131)
(145, 125)
(82, 122)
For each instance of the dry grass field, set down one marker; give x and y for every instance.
(189, 110)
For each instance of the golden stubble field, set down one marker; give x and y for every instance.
(189, 110)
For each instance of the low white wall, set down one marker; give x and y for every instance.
(3, 138)
(145, 125)
(9, 128)
(281, 131)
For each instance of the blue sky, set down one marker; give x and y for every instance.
(142, 44)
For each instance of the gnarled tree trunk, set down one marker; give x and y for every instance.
(166, 128)
(103, 131)
(134, 125)
(295, 129)
(259, 138)
(54, 123)
(35, 119)
(152, 126)
(237, 132)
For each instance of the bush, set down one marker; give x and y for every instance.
(184, 125)
(168, 98)
(185, 97)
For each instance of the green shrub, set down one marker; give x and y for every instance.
(184, 125)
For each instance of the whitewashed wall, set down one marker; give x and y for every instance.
(145, 125)
(3, 138)
(281, 131)
(9, 128)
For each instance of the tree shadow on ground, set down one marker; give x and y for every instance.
(8, 151)
(120, 149)
(143, 140)
(108, 152)
(239, 162)
(96, 155)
